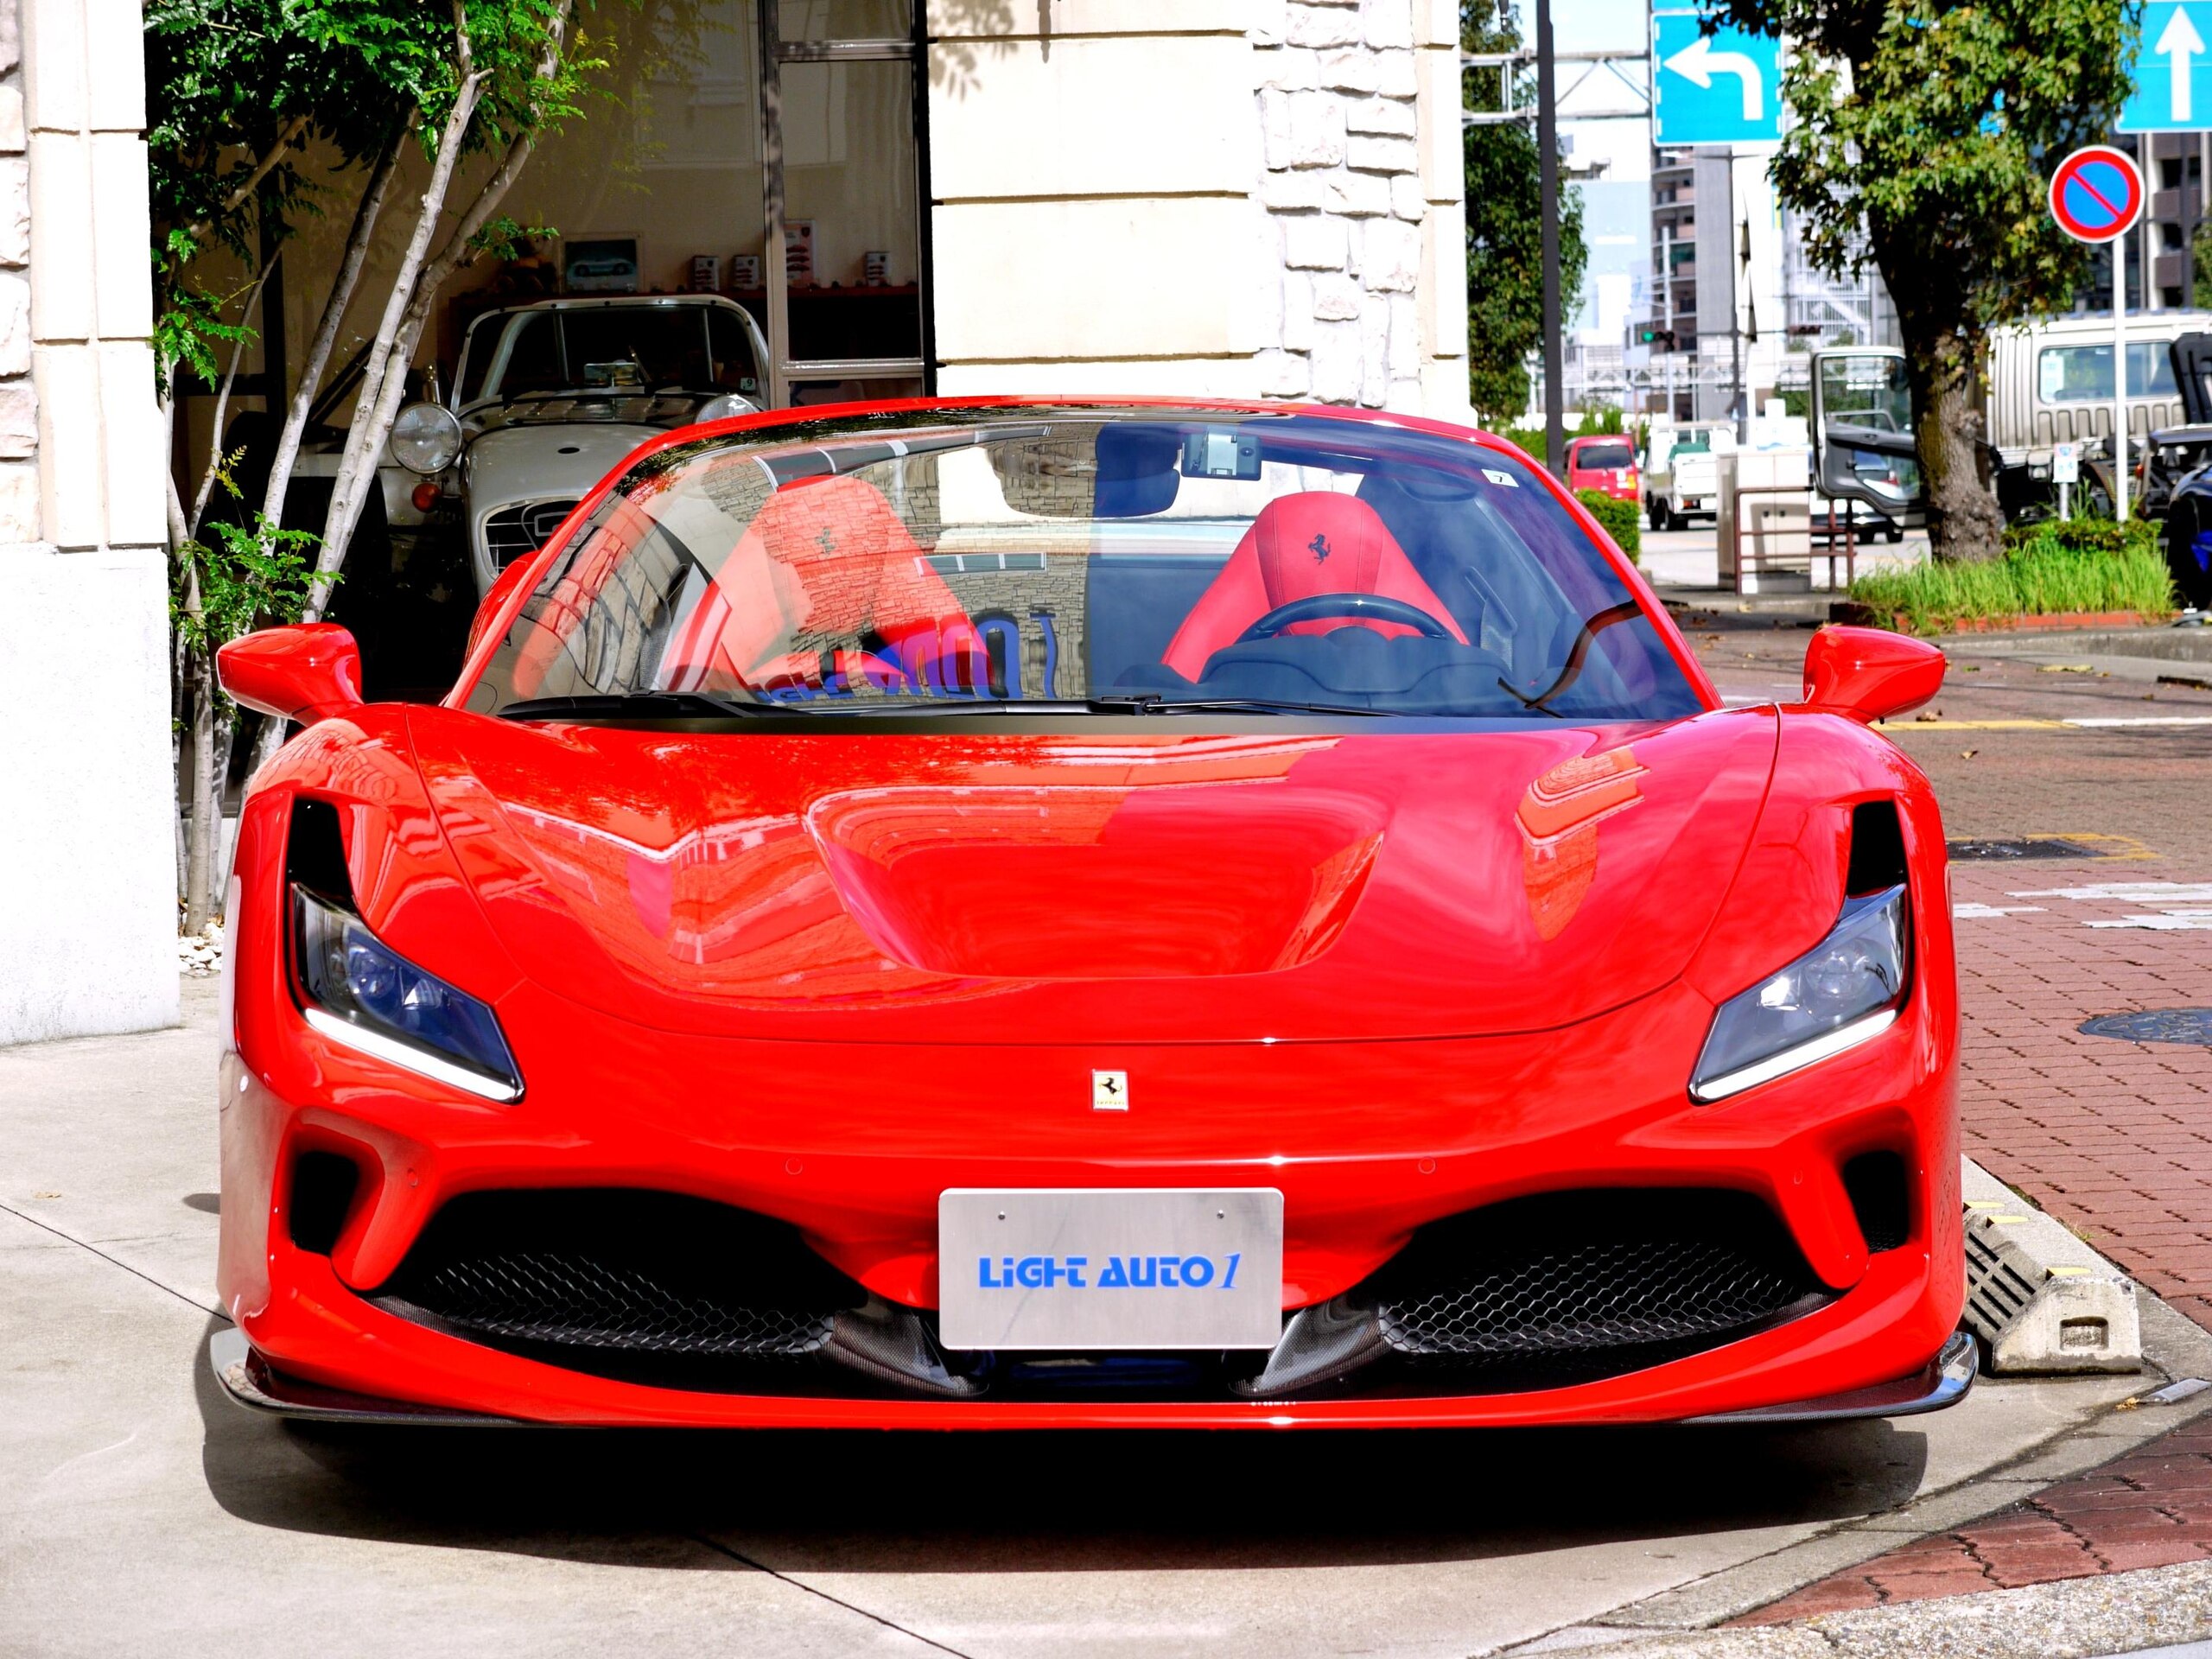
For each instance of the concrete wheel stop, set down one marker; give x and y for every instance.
(2041, 1300)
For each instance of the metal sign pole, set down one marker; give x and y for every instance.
(1547, 207)
(2119, 377)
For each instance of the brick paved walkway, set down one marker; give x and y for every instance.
(2151, 1508)
(2112, 1137)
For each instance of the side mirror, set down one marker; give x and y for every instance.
(494, 596)
(306, 672)
(1870, 674)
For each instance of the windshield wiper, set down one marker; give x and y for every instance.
(1146, 702)
(1152, 703)
(663, 705)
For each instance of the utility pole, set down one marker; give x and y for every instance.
(1737, 272)
(1547, 207)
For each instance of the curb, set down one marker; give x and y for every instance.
(2118, 1613)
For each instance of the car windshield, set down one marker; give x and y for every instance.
(1086, 560)
(1594, 457)
(610, 348)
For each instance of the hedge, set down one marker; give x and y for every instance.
(1622, 519)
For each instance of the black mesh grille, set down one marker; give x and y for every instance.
(589, 1278)
(513, 532)
(1599, 1282)
(572, 1299)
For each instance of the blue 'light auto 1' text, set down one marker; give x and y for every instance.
(1119, 1272)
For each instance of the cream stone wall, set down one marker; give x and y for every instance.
(87, 871)
(1233, 198)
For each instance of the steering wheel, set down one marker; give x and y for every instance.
(1316, 607)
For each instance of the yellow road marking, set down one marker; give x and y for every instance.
(1976, 726)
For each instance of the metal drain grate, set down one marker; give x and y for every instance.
(2002, 851)
(2153, 1025)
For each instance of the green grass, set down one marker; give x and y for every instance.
(2086, 564)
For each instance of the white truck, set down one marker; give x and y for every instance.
(2050, 382)
(1682, 472)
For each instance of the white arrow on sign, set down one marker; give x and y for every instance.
(2178, 43)
(1698, 63)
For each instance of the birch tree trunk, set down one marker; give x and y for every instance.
(179, 675)
(325, 334)
(207, 808)
(383, 380)
(357, 468)
(223, 400)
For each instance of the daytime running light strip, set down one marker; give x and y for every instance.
(409, 1058)
(1792, 1059)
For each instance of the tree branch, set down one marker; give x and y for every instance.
(223, 395)
(197, 231)
(342, 289)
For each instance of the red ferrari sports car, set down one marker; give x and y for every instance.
(1015, 912)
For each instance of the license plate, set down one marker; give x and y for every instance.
(1123, 1269)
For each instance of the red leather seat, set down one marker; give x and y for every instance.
(826, 559)
(1316, 541)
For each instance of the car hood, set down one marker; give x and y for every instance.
(547, 459)
(961, 888)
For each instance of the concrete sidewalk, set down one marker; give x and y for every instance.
(139, 1511)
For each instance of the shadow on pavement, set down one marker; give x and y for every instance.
(957, 1503)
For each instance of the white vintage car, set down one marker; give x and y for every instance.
(549, 395)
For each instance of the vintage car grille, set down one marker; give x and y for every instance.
(512, 532)
(583, 1277)
(1579, 1285)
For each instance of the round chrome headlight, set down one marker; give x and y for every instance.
(426, 438)
(722, 408)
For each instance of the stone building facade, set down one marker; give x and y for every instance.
(87, 871)
(1240, 199)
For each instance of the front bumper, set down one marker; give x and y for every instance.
(1369, 1142)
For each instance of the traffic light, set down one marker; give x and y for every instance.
(1653, 335)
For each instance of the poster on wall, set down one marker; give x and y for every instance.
(799, 252)
(600, 265)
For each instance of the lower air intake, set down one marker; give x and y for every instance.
(1592, 1283)
(587, 1277)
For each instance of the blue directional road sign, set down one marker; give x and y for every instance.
(1724, 88)
(2172, 69)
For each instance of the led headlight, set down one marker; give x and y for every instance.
(1846, 989)
(361, 992)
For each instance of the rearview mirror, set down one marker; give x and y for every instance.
(1870, 674)
(306, 672)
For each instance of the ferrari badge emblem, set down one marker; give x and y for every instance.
(1110, 1091)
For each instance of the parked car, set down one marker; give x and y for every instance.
(547, 397)
(1681, 479)
(1029, 913)
(1606, 462)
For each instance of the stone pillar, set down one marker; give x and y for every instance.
(87, 870)
(1359, 110)
(1091, 170)
(1226, 198)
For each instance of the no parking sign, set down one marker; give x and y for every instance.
(2096, 193)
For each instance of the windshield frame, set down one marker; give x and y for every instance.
(849, 422)
(494, 334)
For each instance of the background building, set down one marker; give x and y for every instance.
(1232, 198)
